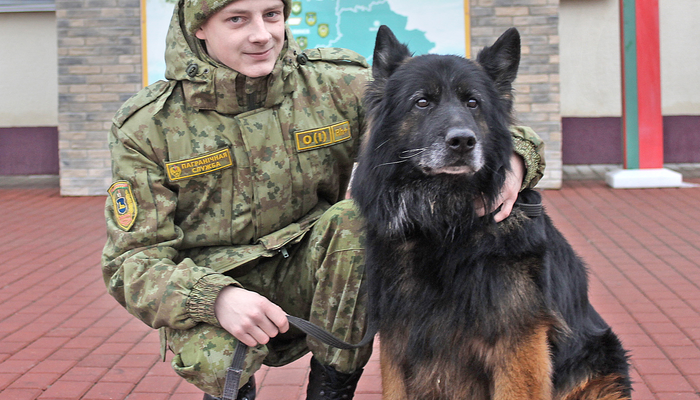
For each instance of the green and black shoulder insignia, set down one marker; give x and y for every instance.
(145, 96)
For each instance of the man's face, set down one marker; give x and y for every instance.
(246, 35)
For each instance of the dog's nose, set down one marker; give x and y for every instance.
(460, 140)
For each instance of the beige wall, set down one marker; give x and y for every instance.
(590, 57)
(29, 71)
(680, 56)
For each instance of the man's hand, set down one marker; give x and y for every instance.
(248, 316)
(509, 192)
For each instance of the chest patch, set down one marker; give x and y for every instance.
(200, 165)
(124, 205)
(322, 137)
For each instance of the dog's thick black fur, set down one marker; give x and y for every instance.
(467, 308)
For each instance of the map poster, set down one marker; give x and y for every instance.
(435, 27)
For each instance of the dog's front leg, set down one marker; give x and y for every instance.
(524, 367)
(393, 387)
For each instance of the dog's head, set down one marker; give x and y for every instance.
(438, 135)
(443, 114)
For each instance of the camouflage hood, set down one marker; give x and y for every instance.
(196, 12)
(210, 85)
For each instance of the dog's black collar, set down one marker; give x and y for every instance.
(531, 210)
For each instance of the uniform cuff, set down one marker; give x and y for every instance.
(534, 164)
(200, 303)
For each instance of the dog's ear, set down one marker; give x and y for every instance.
(501, 60)
(389, 53)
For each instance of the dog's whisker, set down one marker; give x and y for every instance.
(412, 153)
(381, 144)
(389, 163)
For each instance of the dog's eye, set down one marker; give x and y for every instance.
(422, 103)
(472, 103)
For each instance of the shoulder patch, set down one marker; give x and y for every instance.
(124, 205)
(144, 97)
(336, 55)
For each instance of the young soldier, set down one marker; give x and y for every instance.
(226, 212)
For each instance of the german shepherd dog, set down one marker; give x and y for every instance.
(467, 308)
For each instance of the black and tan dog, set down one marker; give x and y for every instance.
(467, 308)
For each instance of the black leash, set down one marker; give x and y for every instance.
(233, 373)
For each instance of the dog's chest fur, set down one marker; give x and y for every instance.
(487, 312)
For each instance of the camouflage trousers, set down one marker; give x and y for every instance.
(321, 280)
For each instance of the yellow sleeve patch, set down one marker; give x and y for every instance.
(200, 165)
(322, 137)
(123, 203)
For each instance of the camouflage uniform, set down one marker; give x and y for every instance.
(222, 179)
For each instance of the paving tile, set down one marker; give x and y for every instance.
(157, 384)
(187, 388)
(21, 394)
(69, 354)
(124, 375)
(57, 366)
(648, 353)
(688, 366)
(68, 390)
(138, 360)
(282, 376)
(161, 369)
(654, 366)
(670, 383)
(695, 381)
(100, 360)
(84, 374)
(150, 396)
(7, 378)
(277, 392)
(109, 390)
(16, 366)
(35, 380)
(186, 396)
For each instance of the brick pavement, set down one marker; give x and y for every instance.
(63, 337)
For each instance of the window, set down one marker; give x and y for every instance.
(27, 5)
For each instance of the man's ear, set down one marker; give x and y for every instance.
(200, 34)
(389, 53)
(501, 60)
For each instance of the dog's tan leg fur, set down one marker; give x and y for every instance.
(524, 369)
(393, 387)
(602, 388)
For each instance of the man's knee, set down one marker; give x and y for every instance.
(343, 222)
(203, 353)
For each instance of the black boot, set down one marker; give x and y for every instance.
(247, 392)
(325, 383)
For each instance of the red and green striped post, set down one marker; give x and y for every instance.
(641, 100)
(641, 84)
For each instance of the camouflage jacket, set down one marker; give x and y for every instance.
(213, 169)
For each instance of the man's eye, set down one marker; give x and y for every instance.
(422, 103)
